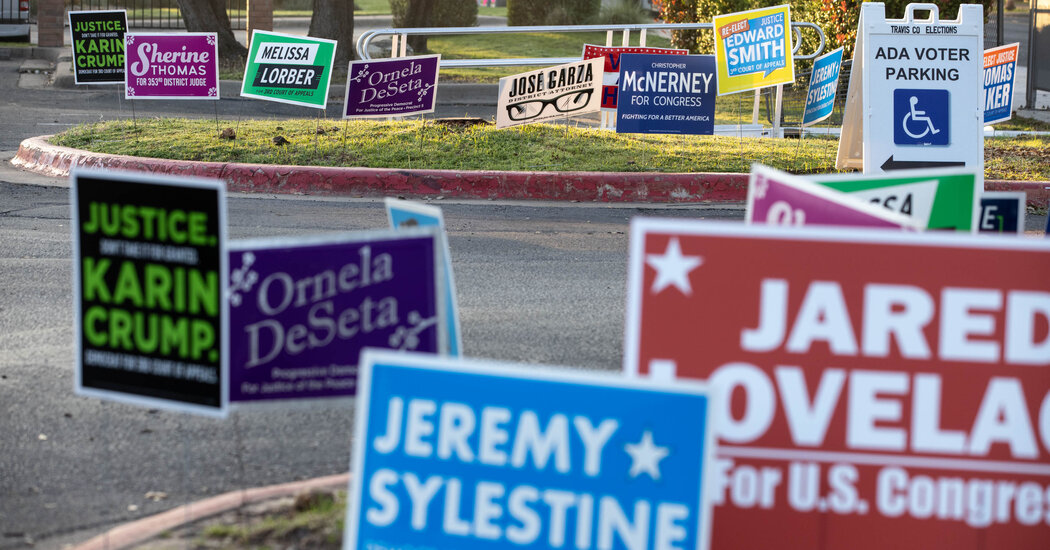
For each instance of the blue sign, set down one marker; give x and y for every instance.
(1002, 212)
(1000, 65)
(404, 214)
(471, 455)
(666, 94)
(921, 117)
(823, 84)
(759, 46)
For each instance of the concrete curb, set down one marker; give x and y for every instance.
(130, 534)
(37, 155)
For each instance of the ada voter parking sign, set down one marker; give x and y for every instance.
(922, 89)
(476, 455)
(887, 390)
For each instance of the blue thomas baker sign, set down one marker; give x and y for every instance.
(457, 455)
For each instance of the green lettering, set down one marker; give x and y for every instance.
(148, 215)
(92, 316)
(174, 335)
(94, 276)
(203, 337)
(158, 286)
(176, 217)
(198, 228)
(120, 329)
(129, 221)
(204, 292)
(128, 286)
(146, 337)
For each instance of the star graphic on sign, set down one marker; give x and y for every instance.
(672, 268)
(646, 456)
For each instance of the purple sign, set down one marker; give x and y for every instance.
(302, 310)
(779, 198)
(171, 65)
(391, 87)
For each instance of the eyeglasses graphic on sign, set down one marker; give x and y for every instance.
(564, 103)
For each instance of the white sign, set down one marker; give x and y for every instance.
(921, 89)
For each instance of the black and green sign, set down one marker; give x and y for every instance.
(149, 261)
(289, 69)
(98, 46)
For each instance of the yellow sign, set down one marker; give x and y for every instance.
(753, 49)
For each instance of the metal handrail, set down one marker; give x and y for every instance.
(366, 38)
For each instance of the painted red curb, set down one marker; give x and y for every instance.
(130, 534)
(37, 155)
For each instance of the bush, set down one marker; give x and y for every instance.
(837, 18)
(552, 12)
(624, 12)
(446, 13)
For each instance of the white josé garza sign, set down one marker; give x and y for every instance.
(922, 88)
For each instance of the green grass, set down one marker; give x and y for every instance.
(414, 144)
(319, 523)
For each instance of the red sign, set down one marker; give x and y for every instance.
(883, 390)
(612, 66)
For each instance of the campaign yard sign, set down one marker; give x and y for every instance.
(98, 46)
(149, 264)
(553, 93)
(407, 214)
(611, 74)
(888, 390)
(1000, 65)
(941, 199)
(779, 198)
(391, 87)
(1002, 212)
(753, 49)
(181, 65)
(666, 94)
(482, 455)
(289, 69)
(302, 309)
(823, 88)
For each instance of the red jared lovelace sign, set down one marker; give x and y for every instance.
(882, 390)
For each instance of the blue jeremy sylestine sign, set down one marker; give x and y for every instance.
(301, 309)
(666, 94)
(450, 454)
(823, 85)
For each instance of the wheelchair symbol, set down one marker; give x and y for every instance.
(916, 116)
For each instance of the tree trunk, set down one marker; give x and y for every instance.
(210, 16)
(418, 16)
(334, 20)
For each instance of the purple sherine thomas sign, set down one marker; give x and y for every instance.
(391, 87)
(779, 198)
(171, 65)
(301, 309)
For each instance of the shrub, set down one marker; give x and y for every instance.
(624, 12)
(552, 12)
(446, 13)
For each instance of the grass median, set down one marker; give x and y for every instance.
(417, 144)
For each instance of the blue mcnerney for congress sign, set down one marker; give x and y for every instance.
(467, 455)
(666, 94)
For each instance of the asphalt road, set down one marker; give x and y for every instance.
(537, 282)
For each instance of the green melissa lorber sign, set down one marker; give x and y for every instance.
(939, 198)
(289, 69)
(149, 284)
